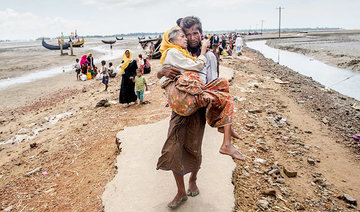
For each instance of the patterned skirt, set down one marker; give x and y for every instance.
(181, 94)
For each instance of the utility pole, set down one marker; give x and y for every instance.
(279, 8)
(262, 24)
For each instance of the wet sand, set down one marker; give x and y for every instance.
(37, 59)
(21, 58)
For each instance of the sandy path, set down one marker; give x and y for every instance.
(139, 182)
(155, 188)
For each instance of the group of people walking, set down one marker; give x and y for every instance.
(225, 44)
(87, 68)
(132, 77)
(133, 83)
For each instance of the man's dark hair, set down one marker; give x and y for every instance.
(190, 21)
(179, 21)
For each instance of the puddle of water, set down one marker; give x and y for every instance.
(29, 134)
(342, 80)
(110, 54)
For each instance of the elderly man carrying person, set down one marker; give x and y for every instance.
(181, 152)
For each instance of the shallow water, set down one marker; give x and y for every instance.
(109, 54)
(342, 80)
(28, 61)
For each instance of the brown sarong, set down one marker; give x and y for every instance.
(181, 152)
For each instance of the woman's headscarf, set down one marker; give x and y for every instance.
(83, 59)
(126, 61)
(166, 45)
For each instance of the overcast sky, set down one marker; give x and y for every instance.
(30, 19)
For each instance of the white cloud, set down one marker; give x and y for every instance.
(123, 4)
(214, 3)
(105, 17)
(15, 25)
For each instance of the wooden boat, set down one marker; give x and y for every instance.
(54, 47)
(156, 55)
(145, 44)
(79, 44)
(108, 41)
(122, 38)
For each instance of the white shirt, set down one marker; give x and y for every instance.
(141, 61)
(77, 66)
(239, 41)
(112, 69)
(210, 69)
(104, 71)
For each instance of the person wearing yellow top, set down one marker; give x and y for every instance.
(128, 72)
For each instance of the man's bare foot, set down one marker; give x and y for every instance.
(178, 199)
(233, 132)
(192, 186)
(231, 151)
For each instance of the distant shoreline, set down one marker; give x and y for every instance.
(138, 34)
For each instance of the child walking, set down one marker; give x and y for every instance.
(77, 69)
(140, 85)
(105, 73)
(182, 90)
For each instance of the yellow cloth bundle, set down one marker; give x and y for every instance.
(166, 45)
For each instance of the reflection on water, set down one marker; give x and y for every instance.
(342, 80)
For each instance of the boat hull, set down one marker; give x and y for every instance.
(108, 41)
(54, 47)
(79, 44)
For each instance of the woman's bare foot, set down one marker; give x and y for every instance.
(233, 133)
(231, 151)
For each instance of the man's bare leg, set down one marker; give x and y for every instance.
(179, 179)
(233, 132)
(227, 148)
(192, 181)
